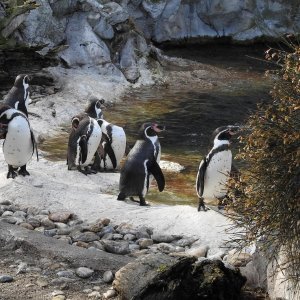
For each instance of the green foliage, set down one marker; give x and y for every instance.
(266, 195)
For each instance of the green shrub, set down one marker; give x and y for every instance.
(266, 196)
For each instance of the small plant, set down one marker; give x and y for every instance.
(266, 195)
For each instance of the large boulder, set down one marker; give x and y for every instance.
(160, 276)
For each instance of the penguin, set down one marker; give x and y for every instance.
(113, 146)
(83, 142)
(141, 162)
(19, 144)
(94, 108)
(18, 96)
(214, 169)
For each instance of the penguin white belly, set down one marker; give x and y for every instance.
(18, 148)
(217, 174)
(93, 143)
(118, 145)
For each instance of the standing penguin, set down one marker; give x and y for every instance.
(113, 145)
(18, 96)
(142, 161)
(94, 108)
(84, 140)
(215, 168)
(19, 144)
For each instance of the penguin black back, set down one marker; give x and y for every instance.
(94, 108)
(141, 162)
(18, 96)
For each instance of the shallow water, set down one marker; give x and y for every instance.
(190, 116)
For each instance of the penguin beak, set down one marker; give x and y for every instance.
(158, 128)
(233, 130)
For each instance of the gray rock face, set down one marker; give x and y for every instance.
(85, 48)
(242, 20)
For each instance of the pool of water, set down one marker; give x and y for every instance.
(190, 116)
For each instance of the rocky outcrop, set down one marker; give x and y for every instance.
(161, 276)
(239, 20)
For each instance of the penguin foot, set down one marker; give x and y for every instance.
(121, 197)
(23, 171)
(143, 202)
(11, 172)
(201, 205)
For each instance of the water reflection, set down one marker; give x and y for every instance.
(190, 117)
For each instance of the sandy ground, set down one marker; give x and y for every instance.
(91, 197)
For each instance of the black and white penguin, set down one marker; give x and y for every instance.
(141, 162)
(18, 96)
(113, 145)
(94, 108)
(19, 144)
(214, 169)
(84, 140)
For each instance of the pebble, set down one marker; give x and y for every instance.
(61, 216)
(86, 237)
(95, 295)
(59, 297)
(50, 232)
(9, 219)
(21, 268)
(5, 202)
(162, 238)
(26, 225)
(109, 294)
(108, 276)
(145, 243)
(66, 273)
(129, 237)
(34, 222)
(121, 247)
(62, 280)
(57, 293)
(84, 272)
(48, 224)
(60, 225)
(42, 282)
(105, 221)
(87, 291)
(197, 252)
(6, 278)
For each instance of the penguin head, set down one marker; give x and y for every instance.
(223, 135)
(94, 107)
(22, 82)
(149, 130)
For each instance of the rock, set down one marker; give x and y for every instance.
(27, 226)
(163, 238)
(108, 276)
(166, 248)
(104, 30)
(6, 278)
(115, 13)
(60, 225)
(105, 222)
(60, 216)
(117, 236)
(128, 61)
(121, 247)
(107, 236)
(7, 213)
(95, 227)
(20, 214)
(84, 272)
(42, 282)
(5, 202)
(85, 236)
(57, 293)
(81, 244)
(129, 237)
(21, 268)
(186, 241)
(171, 166)
(145, 243)
(9, 219)
(63, 231)
(159, 276)
(110, 294)
(34, 222)
(66, 273)
(48, 224)
(61, 280)
(50, 232)
(197, 252)
(105, 230)
(97, 245)
(59, 297)
(237, 258)
(134, 247)
(94, 295)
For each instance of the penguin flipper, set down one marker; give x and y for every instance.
(34, 145)
(155, 170)
(200, 178)
(83, 148)
(111, 154)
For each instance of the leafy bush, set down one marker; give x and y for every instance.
(266, 195)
